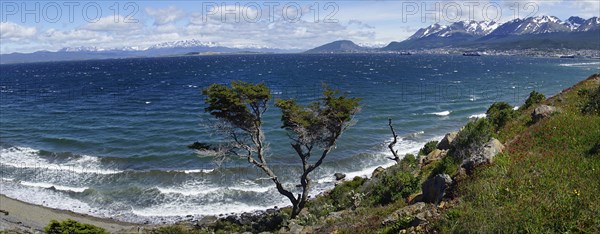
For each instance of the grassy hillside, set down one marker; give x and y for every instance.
(548, 179)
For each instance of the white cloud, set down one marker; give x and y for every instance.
(116, 23)
(165, 15)
(15, 32)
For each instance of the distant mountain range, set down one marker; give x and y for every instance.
(163, 49)
(542, 32)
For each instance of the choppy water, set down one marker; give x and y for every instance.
(109, 137)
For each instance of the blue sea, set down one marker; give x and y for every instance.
(109, 137)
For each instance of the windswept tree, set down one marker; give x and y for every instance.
(313, 129)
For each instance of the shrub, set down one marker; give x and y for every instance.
(70, 226)
(472, 137)
(392, 187)
(499, 114)
(448, 165)
(428, 148)
(342, 195)
(408, 163)
(592, 106)
(534, 99)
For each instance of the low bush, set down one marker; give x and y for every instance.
(428, 148)
(533, 99)
(398, 184)
(471, 137)
(592, 105)
(343, 195)
(70, 226)
(499, 114)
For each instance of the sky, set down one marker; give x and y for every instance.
(29, 26)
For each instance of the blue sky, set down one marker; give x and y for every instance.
(27, 26)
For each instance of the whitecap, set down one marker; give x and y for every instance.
(24, 157)
(57, 187)
(478, 116)
(441, 113)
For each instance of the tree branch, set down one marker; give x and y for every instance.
(393, 143)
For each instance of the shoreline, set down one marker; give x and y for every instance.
(31, 218)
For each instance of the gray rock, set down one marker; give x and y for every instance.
(446, 143)
(541, 112)
(339, 176)
(377, 171)
(485, 155)
(410, 210)
(434, 189)
(434, 156)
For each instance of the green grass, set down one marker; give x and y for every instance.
(547, 180)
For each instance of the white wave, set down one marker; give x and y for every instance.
(404, 146)
(263, 189)
(57, 187)
(442, 113)
(478, 116)
(46, 197)
(206, 171)
(183, 209)
(590, 64)
(24, 157)
(188, 191)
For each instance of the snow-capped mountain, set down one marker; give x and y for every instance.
(574, 22)
(589, 25)
(184, 44)
(473, 28)
(531, 32)
(81, 49)
(531, 25)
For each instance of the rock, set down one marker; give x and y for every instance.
(483, 156)
(410, 210)
(434, 156)
(541, 112)
(206, 220)
(434, 189)
(446, 143)
(377, 172)
(295, 228)
(339, 176)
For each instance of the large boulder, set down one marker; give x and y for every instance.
(541, 112)
(339, 176)
(434, 156)
(434, 188)
(378, 171)
(485, 155)
(410, 210)
(446, 143)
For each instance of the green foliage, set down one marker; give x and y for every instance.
(409, 162)
(471, 137)
(174, 229)
(592, 105)
(241, 105)
(499, 114)
(342, 196)
(320, 122)
(394, 185)
(448, 165)
(511, 195)
(403, 223)
(428, 148)
(70, 226)
(533, 99)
